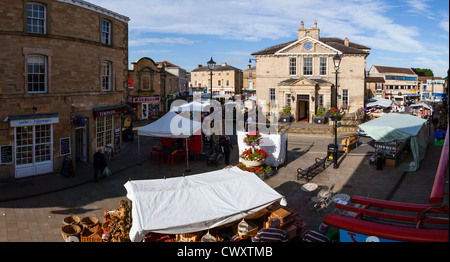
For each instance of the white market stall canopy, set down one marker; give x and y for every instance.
(171, 125)
(198, 202)
(379, 102)
(393, 126)
(190, 107)
(421, 105)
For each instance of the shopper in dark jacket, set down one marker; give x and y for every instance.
(226, 145)
(99, 163)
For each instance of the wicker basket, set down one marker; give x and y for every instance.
(71, 219)
(91, 234)
(90, 221)
(70, 230)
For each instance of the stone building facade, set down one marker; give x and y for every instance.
(152, 88)
(249, 83)
(63, 76)
(301, 73)
(400, 84)
(226, 79)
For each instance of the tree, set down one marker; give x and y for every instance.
(426, 71)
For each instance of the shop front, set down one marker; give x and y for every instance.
(146, 107)
(108, 123)
(33, 143)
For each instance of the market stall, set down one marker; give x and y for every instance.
(421, 110)
(179, 206)
(173, 126)
(400, 128)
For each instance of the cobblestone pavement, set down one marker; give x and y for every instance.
(32, 209)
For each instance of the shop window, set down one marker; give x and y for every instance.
(104, 130)
(33, 144)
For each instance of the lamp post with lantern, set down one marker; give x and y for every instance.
(337, 62)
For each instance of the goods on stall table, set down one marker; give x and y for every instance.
(117, 224)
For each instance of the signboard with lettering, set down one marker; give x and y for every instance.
(34, 122)
(108, 112)
(145, 99)
(130, 83)
(6, 154)
(64, 144)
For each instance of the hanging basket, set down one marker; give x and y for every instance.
(242, 228)
(208, 238)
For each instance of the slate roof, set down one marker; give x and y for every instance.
(398, 70)
(334, 42)
(375, 79)
(216, 68)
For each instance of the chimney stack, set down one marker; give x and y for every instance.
(346, 41)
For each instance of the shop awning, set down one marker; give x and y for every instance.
(197, 202)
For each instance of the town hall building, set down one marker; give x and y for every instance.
(301, 73)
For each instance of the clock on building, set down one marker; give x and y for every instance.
(308, 46)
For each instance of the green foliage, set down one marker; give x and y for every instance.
(426, 71)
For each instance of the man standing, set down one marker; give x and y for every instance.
(226, 148)
(99, 163)
(271, 234)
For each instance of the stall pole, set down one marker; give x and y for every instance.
(139, 149)
(187, 156)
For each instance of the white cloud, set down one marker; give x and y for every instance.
(167, 40)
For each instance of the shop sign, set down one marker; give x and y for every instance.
(145, 99)
(108, 112)
(34, 122)
(130, 83)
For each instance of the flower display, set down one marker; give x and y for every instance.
(252, 139)
(320, 111)
(78, 120)
(335, 112)
(253, 154)
(286, 111)
(261, 171)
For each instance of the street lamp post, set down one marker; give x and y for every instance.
(211, 65)
(337, 62)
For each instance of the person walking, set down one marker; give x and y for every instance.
(226, 148)
(99, 163)
(271, 234)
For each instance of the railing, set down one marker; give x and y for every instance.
(437, 194)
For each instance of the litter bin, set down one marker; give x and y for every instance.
(332, 148)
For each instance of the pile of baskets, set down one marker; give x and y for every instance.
(86, 229)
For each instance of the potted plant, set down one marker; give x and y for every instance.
(335, 114)
(262, 172)
(78, 120)
(253, 157)
(319, 117)
(285, 115)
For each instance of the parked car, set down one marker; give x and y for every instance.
(361, 132)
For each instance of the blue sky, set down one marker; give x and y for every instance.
(400, 33)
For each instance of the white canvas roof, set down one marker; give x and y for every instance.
(198, 202)
(171, 125)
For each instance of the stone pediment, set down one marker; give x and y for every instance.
(307, 45)
(303, 81)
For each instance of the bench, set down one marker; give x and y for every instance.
(309, 173)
